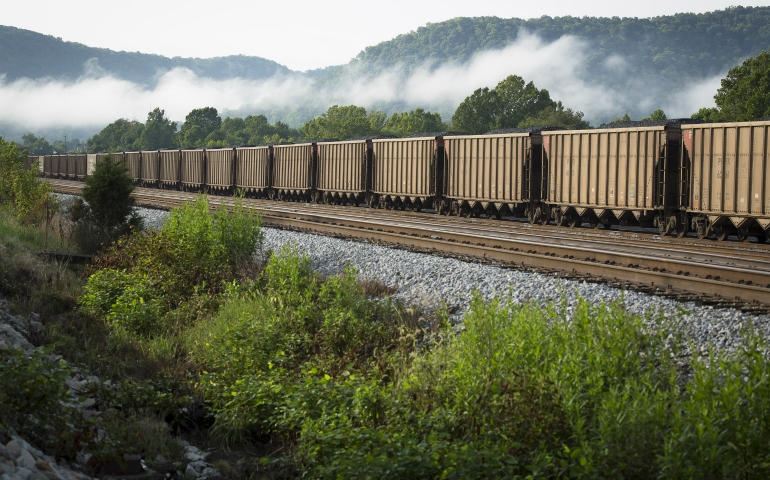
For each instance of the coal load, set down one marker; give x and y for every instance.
(671, 122)
(436, 134)
(501, 131)
(372, 137)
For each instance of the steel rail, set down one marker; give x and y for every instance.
(742, 284)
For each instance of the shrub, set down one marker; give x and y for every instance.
(20, 188)
(144, 281)
(107, 210)
(36, 403)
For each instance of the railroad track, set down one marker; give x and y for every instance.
(723, 275)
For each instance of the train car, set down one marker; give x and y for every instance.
(77, 166)
(118, 157)
(149, 167)
(625, 176)
(170, 169)
(90, 163)
(48, 166)
(727, 192)
(294, 172)
(495, 174)
(133, 161)
(253, 170)
(33, 162)
(193, 170)
(219, 169)
(342, 169)
(403, 173)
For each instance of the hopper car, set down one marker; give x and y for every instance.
(710, 179)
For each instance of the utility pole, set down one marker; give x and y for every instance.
(65, 144)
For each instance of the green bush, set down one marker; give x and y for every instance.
(20, 188)
(266, 347)
(144, 281)
(106, 210)
(36, 403)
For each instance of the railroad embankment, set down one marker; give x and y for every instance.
(318, 357)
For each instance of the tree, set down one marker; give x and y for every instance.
(518, 100)
(20, 187)
(36, 145)
(477, 113)
(158, 132)
(339, 123)
(656, 115)
(199, 124)
(624, 118)
(506, 106)
(557, 116)
(745, 92)
(416, 121)
(106, 210)
(709, 115)
(118, 136)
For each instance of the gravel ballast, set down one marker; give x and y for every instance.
(427, 281)
(430, 281)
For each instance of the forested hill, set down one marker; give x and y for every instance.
(693, 45)
(24, 53)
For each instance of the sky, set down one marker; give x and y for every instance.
(301, 34)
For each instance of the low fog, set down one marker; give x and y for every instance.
(98, 98)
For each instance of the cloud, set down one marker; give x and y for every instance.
(98, 98)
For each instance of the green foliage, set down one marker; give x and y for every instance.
(253, 130)
(198, 125)
(477, 113)
(723, 425)
(143, 280)
(36, 402)
(415, 121)
(25, 53)
(273, 352)
(108, 194)
(656, 115)
(36, 145)
(663, 49)
(512, 103)
(120, 135)
(557, 116)
(20, 188)
(106, 210)
(624, 118)
(340, 123)
(158, 132)
(745, 92)
(709, 115)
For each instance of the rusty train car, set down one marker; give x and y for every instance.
(710, 179)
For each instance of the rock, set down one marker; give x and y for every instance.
(14, 448)
(37, 476)
(193, 457)
(24, 473)
(190, 472)
(26, 460)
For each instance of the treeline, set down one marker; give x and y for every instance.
(203, 127)
(743, 96)
(40, 146)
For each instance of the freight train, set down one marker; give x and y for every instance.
(710, 179)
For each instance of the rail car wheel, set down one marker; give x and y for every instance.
(593, 223)
(681, 229)
(761, 238)
(722, 234)
(574, 221)
(743, 234)
(665, 226)
(559, 218)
